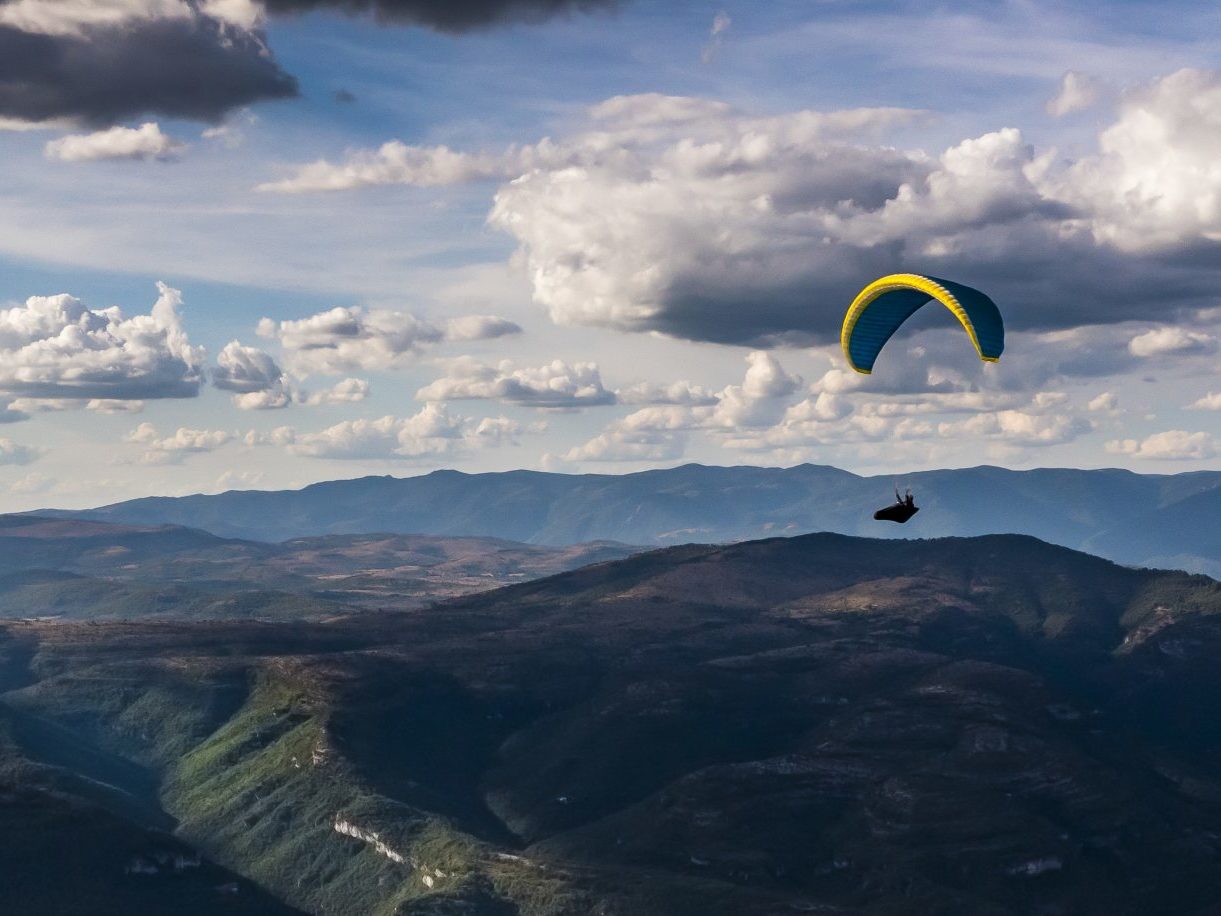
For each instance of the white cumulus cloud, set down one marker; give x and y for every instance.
(254, 376)
(1018, 427)
(113, 405)
(346, 339)
(555, 385)
(347, 391)
(648, 434)
(1167, 340)
(1156, 183)
(759, 400)
(143, 142)
(433, 433)
(661, 431)
(1210, 401)
(56, 347)
(396, 162)
(1171, 445)
(245, 369)
(74, 17)
(672, 213)
(173, 448)
(681, 392)
(1106, 402)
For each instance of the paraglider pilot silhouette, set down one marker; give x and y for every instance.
(881, 308)
(903, 509)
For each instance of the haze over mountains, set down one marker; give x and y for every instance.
(1172, 521)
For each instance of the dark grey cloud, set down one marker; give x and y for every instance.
(1045, 282)
(184, 67)
(1040, 281)
(452, 16)
(196, 65)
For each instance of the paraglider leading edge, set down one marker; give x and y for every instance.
(896, 297)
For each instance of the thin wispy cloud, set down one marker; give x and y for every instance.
(717, 35)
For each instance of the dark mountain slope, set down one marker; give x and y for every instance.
(820, 724)
(63, 857)
(1042, 589)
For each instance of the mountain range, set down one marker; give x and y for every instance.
(1170, 521)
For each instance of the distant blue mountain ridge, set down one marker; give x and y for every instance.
(1164, 520)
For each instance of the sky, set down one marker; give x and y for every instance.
(261, 243)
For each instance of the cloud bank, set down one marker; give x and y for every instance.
(772, 412)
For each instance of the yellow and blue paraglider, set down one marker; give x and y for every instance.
(882, 306)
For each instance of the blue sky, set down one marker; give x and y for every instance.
(657, 211)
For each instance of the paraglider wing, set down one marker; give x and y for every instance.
(882, 307)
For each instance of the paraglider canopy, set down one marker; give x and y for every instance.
(901, 511)
(882, 306)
